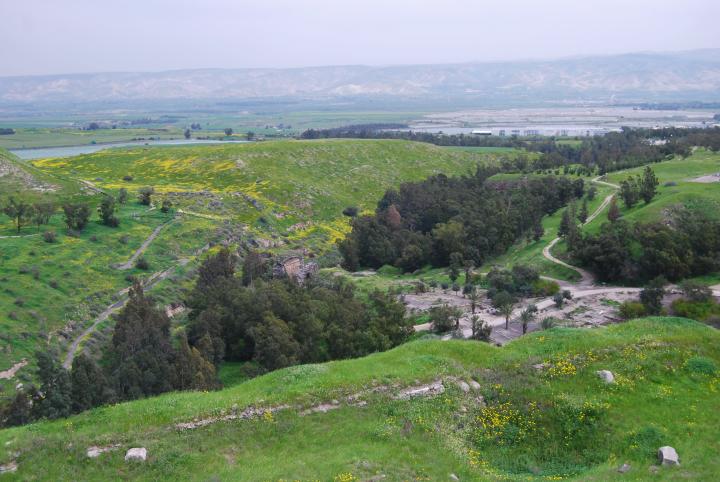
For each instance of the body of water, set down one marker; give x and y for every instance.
(69, 151)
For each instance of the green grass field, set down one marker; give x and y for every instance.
(560, 422)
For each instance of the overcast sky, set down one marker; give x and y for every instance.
(66, 36)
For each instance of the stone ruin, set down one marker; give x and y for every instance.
(295, 268)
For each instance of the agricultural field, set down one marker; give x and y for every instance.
(538, 411)
(25, 138)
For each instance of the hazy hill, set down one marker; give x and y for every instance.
(642, 76)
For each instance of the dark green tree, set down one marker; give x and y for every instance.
(504, 302)
(583, 214)
(54, 398)
(19, 211)
(613, 211)
(89, 385)
(652, 295)
(76, 216)
(107, 212)
(648, 185)
(42, 212)
(145, 195)
(254, 267)
(140, 356)
(122, 196)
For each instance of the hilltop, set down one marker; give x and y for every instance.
(539, 412)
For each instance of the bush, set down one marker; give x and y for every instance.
(567, 294)
(696, 310)
(646, 441)
(49, 236)
(631, 309)
(388, 270)
(701, 365)
(548, 322)
(124, 239)
(559, 299)
(127, 178)
(444, 318)
(351, 211)
(142, 264)
(543, 288)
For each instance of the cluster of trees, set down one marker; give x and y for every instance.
(76, 215)
(141, 360)
(453, 221)
(639, 187)
(602, 153)
(277, 322)
(687, 245)
(6, 131)
(23, 213)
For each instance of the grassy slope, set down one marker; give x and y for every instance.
(685, 192)
(290, 182)
(280, 175)
(405, 440)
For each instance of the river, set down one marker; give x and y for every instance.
(69, 151)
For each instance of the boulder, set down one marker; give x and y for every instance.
(474, 385)
(136, 453)
(668, 456)
(624, 468)
(463, 386)
(454, 477)
(606, 376)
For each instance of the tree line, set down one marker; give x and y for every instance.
(601, 153)
(453, 221)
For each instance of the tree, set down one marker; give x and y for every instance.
(505, 303)
(538, 231)
(187, 133)
(107, 212)
(565, 223)
(629, 192)
(18, 211)
(76, 215)
(591, 192)
(228, 131)
(648, 185)
(474, 297)
(444, 318)
(193, 371)
(583, 214)
(254, 267)
(480, 329)
(89, 385)
(652, 295)
(456, 263)
(145, 195)
(42, 212)
(19, 410)
(250, 135)
(275, 346)
(695, 291)
(613, 211)
(140, 356)
(54, 398)
(526, 316)
(122, 196)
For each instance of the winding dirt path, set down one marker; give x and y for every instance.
(587, 278)
(123, 293)
(131, 262)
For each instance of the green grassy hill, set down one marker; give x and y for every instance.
(286, 194)
(534, 422)
(288, 190)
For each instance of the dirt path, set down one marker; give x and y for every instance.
(20, 236)
(131, 262)
(587, 278)
(149, 283)
(10, 372)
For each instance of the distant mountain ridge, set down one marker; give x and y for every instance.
(641, 76)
